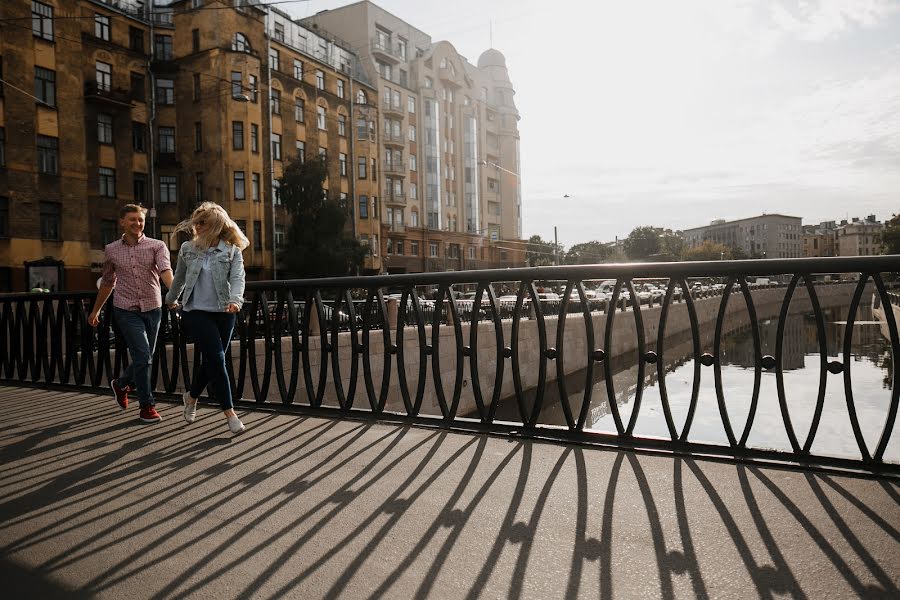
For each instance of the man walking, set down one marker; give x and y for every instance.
(134, 265)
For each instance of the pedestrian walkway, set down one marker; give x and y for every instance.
(93, 504)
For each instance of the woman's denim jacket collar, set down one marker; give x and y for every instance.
(226, 266)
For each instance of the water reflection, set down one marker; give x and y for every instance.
(870, 368)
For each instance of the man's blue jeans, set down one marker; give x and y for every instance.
(139, 330)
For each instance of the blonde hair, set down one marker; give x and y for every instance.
(221, 227)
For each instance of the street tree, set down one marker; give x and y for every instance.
(671, 245)
(317, 243)
(587, 253)
(708, 250)
(642, 242)
(890, 237)
(540, 253)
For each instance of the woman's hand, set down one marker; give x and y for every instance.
(173, 305)
(232, 308)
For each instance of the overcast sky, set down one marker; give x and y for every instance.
(674, 113)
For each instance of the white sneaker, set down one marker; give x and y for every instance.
(234, 424)
(190, 407)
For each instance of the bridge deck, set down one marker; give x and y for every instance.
(94, 504)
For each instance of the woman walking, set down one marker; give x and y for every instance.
(210, 271)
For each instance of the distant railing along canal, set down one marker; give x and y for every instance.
(376, 347)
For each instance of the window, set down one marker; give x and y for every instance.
(414, 247)
(320, 79)
(275, 102)
(240, 192)
(411, 105)
(395, 99)
(429, 82)
(239, 42)
(412, 133)
(252, 82)
(414, 194)
(432, 249)
(107, 182)
(254, 137)
(398, 247)
(404, 78)
(320, 120)
(104, 129)
(276, 146)
(372, 168)
(50, 221)
(301, 151)
(389, 246)
(237, 135)
(342, 125)
(382, 39)
(162, 47)
(198, 137)
(279, 236)
(45, 85)
(237, 84)
(361, 97)
(135, 39)
(48, 155)
(412, 162)
(168, 189)
(385, 70)
(276, 192)
(279, 31)
(42, 20)
(101, 27)
(137, 87)
(342, 162)
(323, 154)
(414, 219)
(298, 69)
(139, 186)
(195, 40)
(363, 207)
(340, 88)
(299, 108)
(198, 187)
(138, 137)
(166, 140)
(254, 188)
(257, 235)
(274, 59)
(165, 91)
(361, 167)
(401, 48)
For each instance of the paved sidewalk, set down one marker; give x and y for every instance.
(94, 504)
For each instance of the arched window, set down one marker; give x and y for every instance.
(361, 97)
(239, 42)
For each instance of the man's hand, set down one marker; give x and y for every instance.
(94, 319)
(232, 308)
(172, 305)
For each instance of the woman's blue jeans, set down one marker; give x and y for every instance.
(212, 334)
(139, 330)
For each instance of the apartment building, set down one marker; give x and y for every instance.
(449, 145)
(859, 237)
(116, 101)
(818, 240)
(764, 236)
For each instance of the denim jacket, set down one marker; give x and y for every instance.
(226, 266)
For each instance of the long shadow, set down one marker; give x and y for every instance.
(827, 549)
(500, 542)
(606, 530)
(863, 508)
(687, 540)
(393, 505)
(23, 582)
(455, 519)
(220, 504)
(842, 526)
(292, 493)
(128, 473)
(584, 548)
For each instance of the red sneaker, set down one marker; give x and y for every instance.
(149, 415)
(121, 393)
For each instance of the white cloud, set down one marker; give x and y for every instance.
(814, 21)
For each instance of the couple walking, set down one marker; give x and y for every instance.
(210, 272)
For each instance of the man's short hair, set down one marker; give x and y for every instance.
(130, 208)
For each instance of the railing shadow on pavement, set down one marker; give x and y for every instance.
(331, 487)
(306, 345)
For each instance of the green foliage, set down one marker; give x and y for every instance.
(708, 250)
(540, 253)
(317, 244)
(890, 237)
(587, 253)
(642, 242)
(671, 246)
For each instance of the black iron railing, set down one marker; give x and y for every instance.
(364, 345)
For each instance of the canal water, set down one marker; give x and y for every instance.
(870, 370)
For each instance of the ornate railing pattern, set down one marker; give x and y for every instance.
(45, 339)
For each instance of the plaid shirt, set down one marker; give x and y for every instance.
(134, 272)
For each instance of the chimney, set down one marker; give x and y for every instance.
(871, 218)
(856, 219)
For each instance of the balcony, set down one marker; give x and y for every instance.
(116, 97)
(394, 168)
(386, 52)
(397, 228)
(395, 198)
(448, 77)
(392, 109)
(393, 140)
